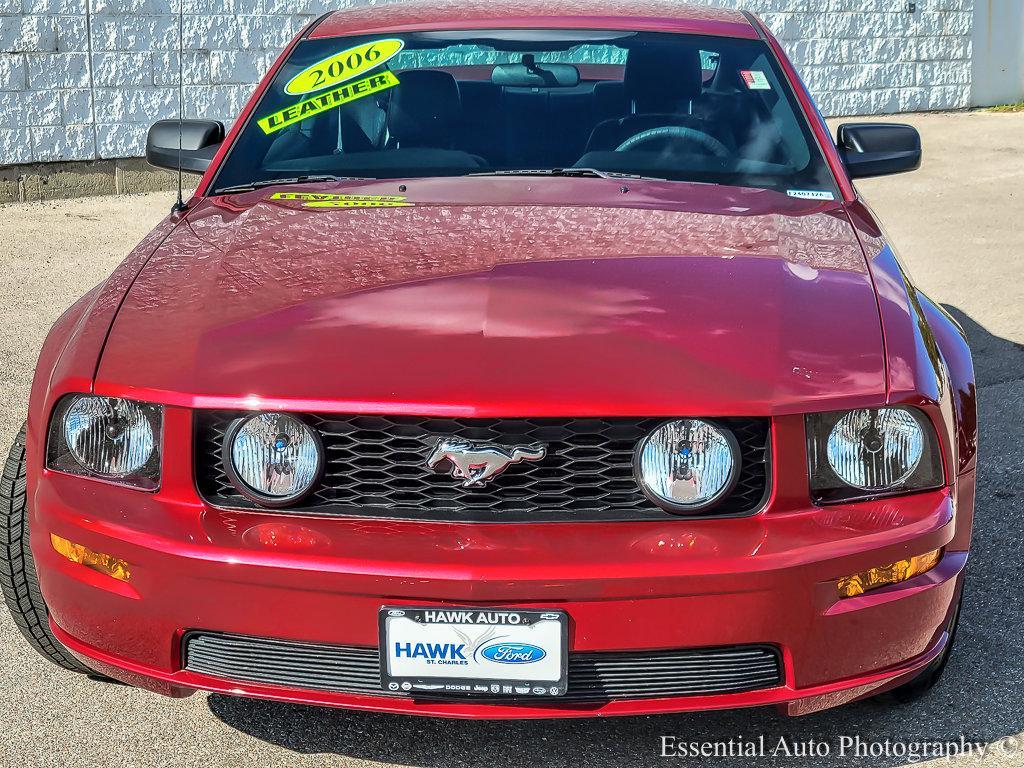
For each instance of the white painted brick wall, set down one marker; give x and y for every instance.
(857, 56)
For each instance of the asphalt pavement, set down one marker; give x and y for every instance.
(959, 226)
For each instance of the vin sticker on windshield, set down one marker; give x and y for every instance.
(755, 80)
(810, 194)
(323, 200)
(357, 89)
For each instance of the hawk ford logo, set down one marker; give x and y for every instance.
(476, 463)
(513, 653)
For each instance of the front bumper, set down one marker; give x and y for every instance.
(766, 579)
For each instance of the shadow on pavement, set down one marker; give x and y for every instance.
(979, 697)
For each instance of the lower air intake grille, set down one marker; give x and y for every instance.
(592, 676)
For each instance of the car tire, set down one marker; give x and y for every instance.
(18, 579)
(915, 689)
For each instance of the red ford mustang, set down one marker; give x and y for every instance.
(507, 365)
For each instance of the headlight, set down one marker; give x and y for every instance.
(871, 452)
(272, 458)
(687, 465)
(107, 438)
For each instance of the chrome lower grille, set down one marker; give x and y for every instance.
(375, 467)
(592, 676)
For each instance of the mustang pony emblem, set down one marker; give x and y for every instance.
(476, 463)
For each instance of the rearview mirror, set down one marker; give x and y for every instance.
(878, 149)
(200, 140)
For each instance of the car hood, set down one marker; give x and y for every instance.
(688, 299)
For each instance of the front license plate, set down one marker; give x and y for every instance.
(473, 651)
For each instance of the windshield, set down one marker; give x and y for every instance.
(677, 107)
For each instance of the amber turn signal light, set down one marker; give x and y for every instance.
(884, 575)
(76, 553)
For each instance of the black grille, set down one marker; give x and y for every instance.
(375, 466)
(592, 676)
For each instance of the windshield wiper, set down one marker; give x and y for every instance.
(292, 180)
(569, 173)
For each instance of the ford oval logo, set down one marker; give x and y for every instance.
(513, 653)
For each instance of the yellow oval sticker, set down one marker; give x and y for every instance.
(343, 66)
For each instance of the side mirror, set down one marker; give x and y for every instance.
(878, 149)
(200, 140)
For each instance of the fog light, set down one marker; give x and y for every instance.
(884, 575)
(687, 465)
(272, 458)
(76, 553)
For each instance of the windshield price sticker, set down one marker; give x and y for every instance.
(330, 100)
(322, 200)
(755, 80)
(343, 66)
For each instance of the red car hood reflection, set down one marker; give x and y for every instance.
(520, 308)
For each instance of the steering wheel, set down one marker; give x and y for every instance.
(676, 133)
